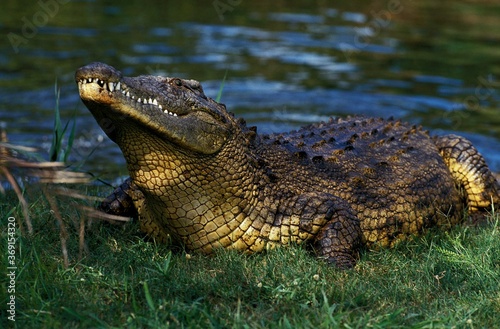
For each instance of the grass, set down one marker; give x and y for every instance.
(442, 280)
(58, 152)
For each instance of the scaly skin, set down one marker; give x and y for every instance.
(206, 180)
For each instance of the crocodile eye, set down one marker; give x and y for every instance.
(198, 87)
(178, 82)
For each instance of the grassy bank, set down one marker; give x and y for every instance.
(441, 280)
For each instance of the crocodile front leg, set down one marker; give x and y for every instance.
(125, 200)
(128, 201)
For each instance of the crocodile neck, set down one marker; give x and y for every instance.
(220, 192)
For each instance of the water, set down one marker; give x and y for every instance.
(427, 62)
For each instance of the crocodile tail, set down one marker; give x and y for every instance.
(469, 170)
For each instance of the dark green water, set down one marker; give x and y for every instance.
(435, 63)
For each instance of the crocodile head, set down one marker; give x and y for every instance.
(150, 108)
(185, 153)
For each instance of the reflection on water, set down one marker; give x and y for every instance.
(287, 65)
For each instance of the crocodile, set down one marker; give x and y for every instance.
(204, 179)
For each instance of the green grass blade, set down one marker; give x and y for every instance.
(149, 299)
(57, 153)
(71, 139)
(55, 148)
(221, 88)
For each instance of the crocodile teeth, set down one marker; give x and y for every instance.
(114, 86)
(110, 86)
(169, 113)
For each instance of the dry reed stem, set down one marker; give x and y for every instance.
(24, 204)
(5, 156)
(94, 213)
(63, 233)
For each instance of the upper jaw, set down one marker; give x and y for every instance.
(102, 83)
(114, 88)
